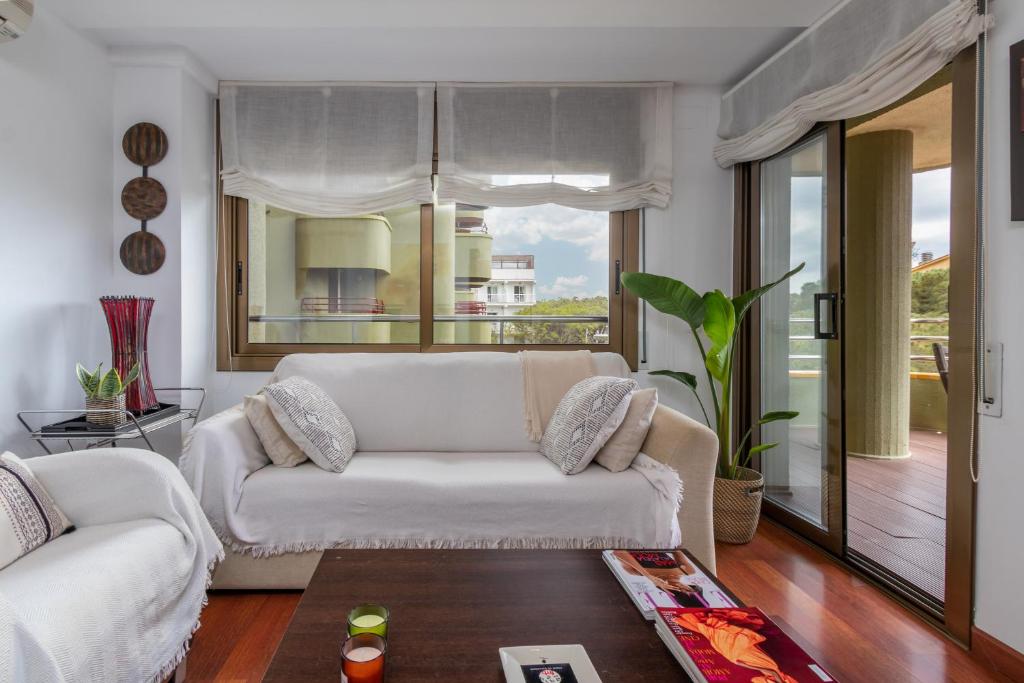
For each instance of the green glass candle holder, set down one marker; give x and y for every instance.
(368, 619)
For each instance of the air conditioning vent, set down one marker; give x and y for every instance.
(15, 16)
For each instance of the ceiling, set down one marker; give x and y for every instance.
(712, 42)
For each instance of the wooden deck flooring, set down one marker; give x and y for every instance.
(896, 509)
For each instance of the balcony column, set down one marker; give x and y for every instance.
(878, 261)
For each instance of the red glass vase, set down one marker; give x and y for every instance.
(128, 320)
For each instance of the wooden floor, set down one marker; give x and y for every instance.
(896, 509)
(857, 632)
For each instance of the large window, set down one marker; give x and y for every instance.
(518, 208)
(503, 278)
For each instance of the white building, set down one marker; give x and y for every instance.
(513, 285)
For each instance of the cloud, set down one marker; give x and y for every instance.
(567, 287)
(521, 226)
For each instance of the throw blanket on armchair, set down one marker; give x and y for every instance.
(119, 598)
(547, 375)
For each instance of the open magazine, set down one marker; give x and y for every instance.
(735, 645)
(665, 578)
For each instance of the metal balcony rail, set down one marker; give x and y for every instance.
(471, 307)
(913, 338)
(341, 304)
(517, 299)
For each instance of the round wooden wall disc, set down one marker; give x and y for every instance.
(144, 198)
(142, 252)
(144, 144)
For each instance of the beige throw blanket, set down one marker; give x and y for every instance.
(547, 375)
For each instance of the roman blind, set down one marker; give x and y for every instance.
(597, 146)
(860, 57)
(328, 149)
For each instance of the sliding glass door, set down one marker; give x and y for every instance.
(798, 334)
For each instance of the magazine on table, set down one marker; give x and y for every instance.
(665, 578)
(734, 645)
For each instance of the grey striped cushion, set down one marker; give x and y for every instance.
(28, 515)
(584, 420)
(313, 421)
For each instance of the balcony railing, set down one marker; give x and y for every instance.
(471, 307)
(913, 338)
(341, 304)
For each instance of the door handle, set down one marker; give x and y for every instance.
(825, 310)
(618, 276)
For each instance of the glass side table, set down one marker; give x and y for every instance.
(76, 429)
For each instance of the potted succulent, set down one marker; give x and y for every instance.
(105, 392)
(714, 319)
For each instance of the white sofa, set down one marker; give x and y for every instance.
(117, 599)
(443, 460)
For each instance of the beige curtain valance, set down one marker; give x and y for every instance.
(862, 56)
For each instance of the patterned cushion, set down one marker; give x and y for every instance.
(280, 448)
(313, 421)
(584, 420)
(28, 515)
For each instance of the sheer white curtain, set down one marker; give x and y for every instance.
(328, 149)
(862, 56)
(602, 147)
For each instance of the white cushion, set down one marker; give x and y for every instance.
(622, 448)
(454, 500)
(280, 448)
(470, 401)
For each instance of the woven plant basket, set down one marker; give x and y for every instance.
(105, 419)
(737, 506)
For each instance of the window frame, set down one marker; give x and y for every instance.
(236, 352)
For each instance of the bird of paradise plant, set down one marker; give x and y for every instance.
(714, 319)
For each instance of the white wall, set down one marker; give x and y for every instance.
(1000, 533)
(691, 241)
(55, 217)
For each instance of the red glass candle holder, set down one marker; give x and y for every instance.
(362, 659)
(128, 320)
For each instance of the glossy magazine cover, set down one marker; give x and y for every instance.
(740, 645)
(665, 578)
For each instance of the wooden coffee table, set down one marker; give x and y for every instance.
(452, 609)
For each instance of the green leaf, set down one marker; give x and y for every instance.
(760, 448)
(776, 415)
(667, 295)
(743, 302)
(133, 375)
(110, 386)
(685, 377)
(719, 326)
(88, 380)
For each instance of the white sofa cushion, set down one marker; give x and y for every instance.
(279, 447)
(429, 401)
(410, 499)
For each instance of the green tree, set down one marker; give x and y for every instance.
(559, 332)
(929, 293)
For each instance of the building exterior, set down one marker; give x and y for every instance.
(513, 285)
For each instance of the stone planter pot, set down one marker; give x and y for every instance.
(106, 419)
(737, 506)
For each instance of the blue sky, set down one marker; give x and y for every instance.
(570, 246)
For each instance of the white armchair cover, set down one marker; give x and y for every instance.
(119, 598)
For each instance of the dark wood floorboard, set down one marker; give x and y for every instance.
(857, 632)
(896, 508)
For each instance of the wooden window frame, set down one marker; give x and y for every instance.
(235, 352)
